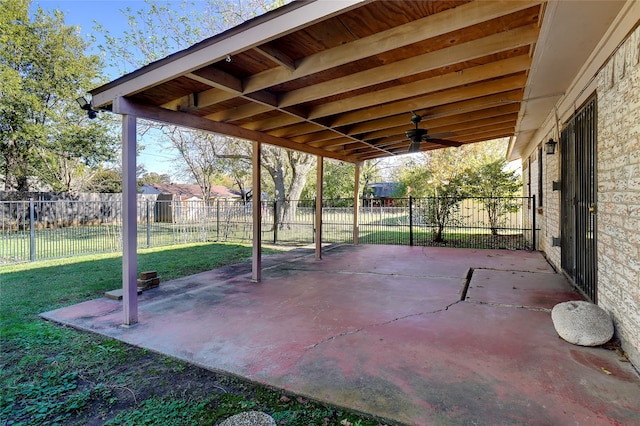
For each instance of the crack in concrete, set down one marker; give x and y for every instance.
(380, 324)
(507, 305)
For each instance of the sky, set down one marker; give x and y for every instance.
(85, 13)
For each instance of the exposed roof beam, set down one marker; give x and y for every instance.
(422, 87)
(244, 111)
(245, 36)
(205, 99)
(125, 106)
(426, 147)
(431, 26)
(468, 51)
(433, 124)
(224, 81)
(276, 56)
(468, 128)
(286, 132)
(424, 102)
(474, 108)
(323, 135)
(217, 79)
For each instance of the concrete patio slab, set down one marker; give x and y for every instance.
(383, 330)
(519, 288)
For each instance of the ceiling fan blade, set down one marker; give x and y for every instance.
(414, 147)
(444, 142)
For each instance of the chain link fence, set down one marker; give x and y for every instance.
(45, 229)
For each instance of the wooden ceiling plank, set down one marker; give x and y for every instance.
(337, 142)
(363, 146)
(205, 99)
(245, 36)
(423, 87)
(274, 123)
(276, 56)
(302, 128)
(244, 111)
(461, 135)
(125, 106)
(316, 137)
(468, 51)
(218, 79)
(485, 136)
(364, 120)
(511, 98)
(439, 122)
(431, 26)
(224, 81)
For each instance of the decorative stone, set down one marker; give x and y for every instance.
(582, 323)
(250, 418)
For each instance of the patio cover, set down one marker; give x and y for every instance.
(339, 79)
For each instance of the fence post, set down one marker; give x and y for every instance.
(533, 224)
(313, 226)
(218, 220)
(410, 220)
(32, 231)
(148, 226)
(275, 222)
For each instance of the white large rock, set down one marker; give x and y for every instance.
(582, 323)
(250, 418)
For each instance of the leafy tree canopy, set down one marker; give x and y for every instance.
(45, 137)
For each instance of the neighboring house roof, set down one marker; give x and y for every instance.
(187, 190)
(384, 189)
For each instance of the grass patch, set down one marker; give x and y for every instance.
(56, 375)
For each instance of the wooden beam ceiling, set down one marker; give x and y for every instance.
(343, 85)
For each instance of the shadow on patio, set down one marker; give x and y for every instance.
(409, 334)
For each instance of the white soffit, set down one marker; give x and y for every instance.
(570, 32)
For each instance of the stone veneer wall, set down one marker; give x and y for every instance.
(618, 90)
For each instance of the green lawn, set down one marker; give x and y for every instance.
(56, 375)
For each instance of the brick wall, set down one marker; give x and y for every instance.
(547, 214)
(618, 90)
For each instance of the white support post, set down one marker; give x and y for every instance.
(318, 238)
(256, 198)
(129, 221)
(356, 205)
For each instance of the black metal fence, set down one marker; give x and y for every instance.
(33, 230)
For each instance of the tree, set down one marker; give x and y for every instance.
(436, 176)
(153, 177)
(495, 186)
(195, 148)
(43, 68)
(158, 30)
(106, 181)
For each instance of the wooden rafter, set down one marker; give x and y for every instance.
(343, 84)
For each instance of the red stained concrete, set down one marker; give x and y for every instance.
(382, 330)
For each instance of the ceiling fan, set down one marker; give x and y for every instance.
(417, 135)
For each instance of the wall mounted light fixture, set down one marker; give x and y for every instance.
(550, 147)
(86, 105)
